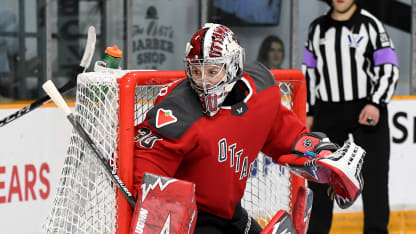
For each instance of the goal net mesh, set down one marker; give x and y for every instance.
(86, 200)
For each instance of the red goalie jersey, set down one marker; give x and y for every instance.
(216, 153)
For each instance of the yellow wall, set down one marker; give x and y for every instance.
(352, 223)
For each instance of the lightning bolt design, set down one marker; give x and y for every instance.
(151, 181)
(275, 228)
(278, 225)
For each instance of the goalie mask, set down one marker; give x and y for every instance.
(214, 61)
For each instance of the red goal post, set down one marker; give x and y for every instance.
(108, 107)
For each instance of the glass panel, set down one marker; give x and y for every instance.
(30, 84)
(402, 44)
(9, 50)
(262, 27)
(21, 29)
(160, 31)
(399, 26)
(29, 57)
(71, 19)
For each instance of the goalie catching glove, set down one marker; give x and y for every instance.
(324, 162)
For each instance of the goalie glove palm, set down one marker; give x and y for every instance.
(345, 172)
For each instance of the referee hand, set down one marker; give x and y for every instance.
(369, 115)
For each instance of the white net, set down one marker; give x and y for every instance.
(86, 200)
(268, 186)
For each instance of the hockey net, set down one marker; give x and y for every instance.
(108, 107)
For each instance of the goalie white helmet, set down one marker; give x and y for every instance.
(214, 61)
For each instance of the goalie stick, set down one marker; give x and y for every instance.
(54, 94)
(84, 64)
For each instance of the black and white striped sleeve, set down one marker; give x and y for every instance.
(385, 62)
(309, 66)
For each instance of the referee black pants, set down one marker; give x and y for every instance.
(337, 121)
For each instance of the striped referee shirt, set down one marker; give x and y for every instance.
(349, 60)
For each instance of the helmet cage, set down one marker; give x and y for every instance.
(202, 81)
(212, 45)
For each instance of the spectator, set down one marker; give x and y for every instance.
(271, 52)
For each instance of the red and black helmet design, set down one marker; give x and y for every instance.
(215, 44)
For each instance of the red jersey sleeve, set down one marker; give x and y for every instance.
(286, 129)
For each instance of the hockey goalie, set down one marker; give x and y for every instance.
(208, 129)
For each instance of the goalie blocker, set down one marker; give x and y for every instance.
(319, 160)
(164, 205)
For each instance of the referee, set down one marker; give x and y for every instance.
(351, 70)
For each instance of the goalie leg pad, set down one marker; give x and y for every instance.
(280, 223)
(302, 209)
(164, 205)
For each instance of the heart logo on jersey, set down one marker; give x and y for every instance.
(164, 117)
